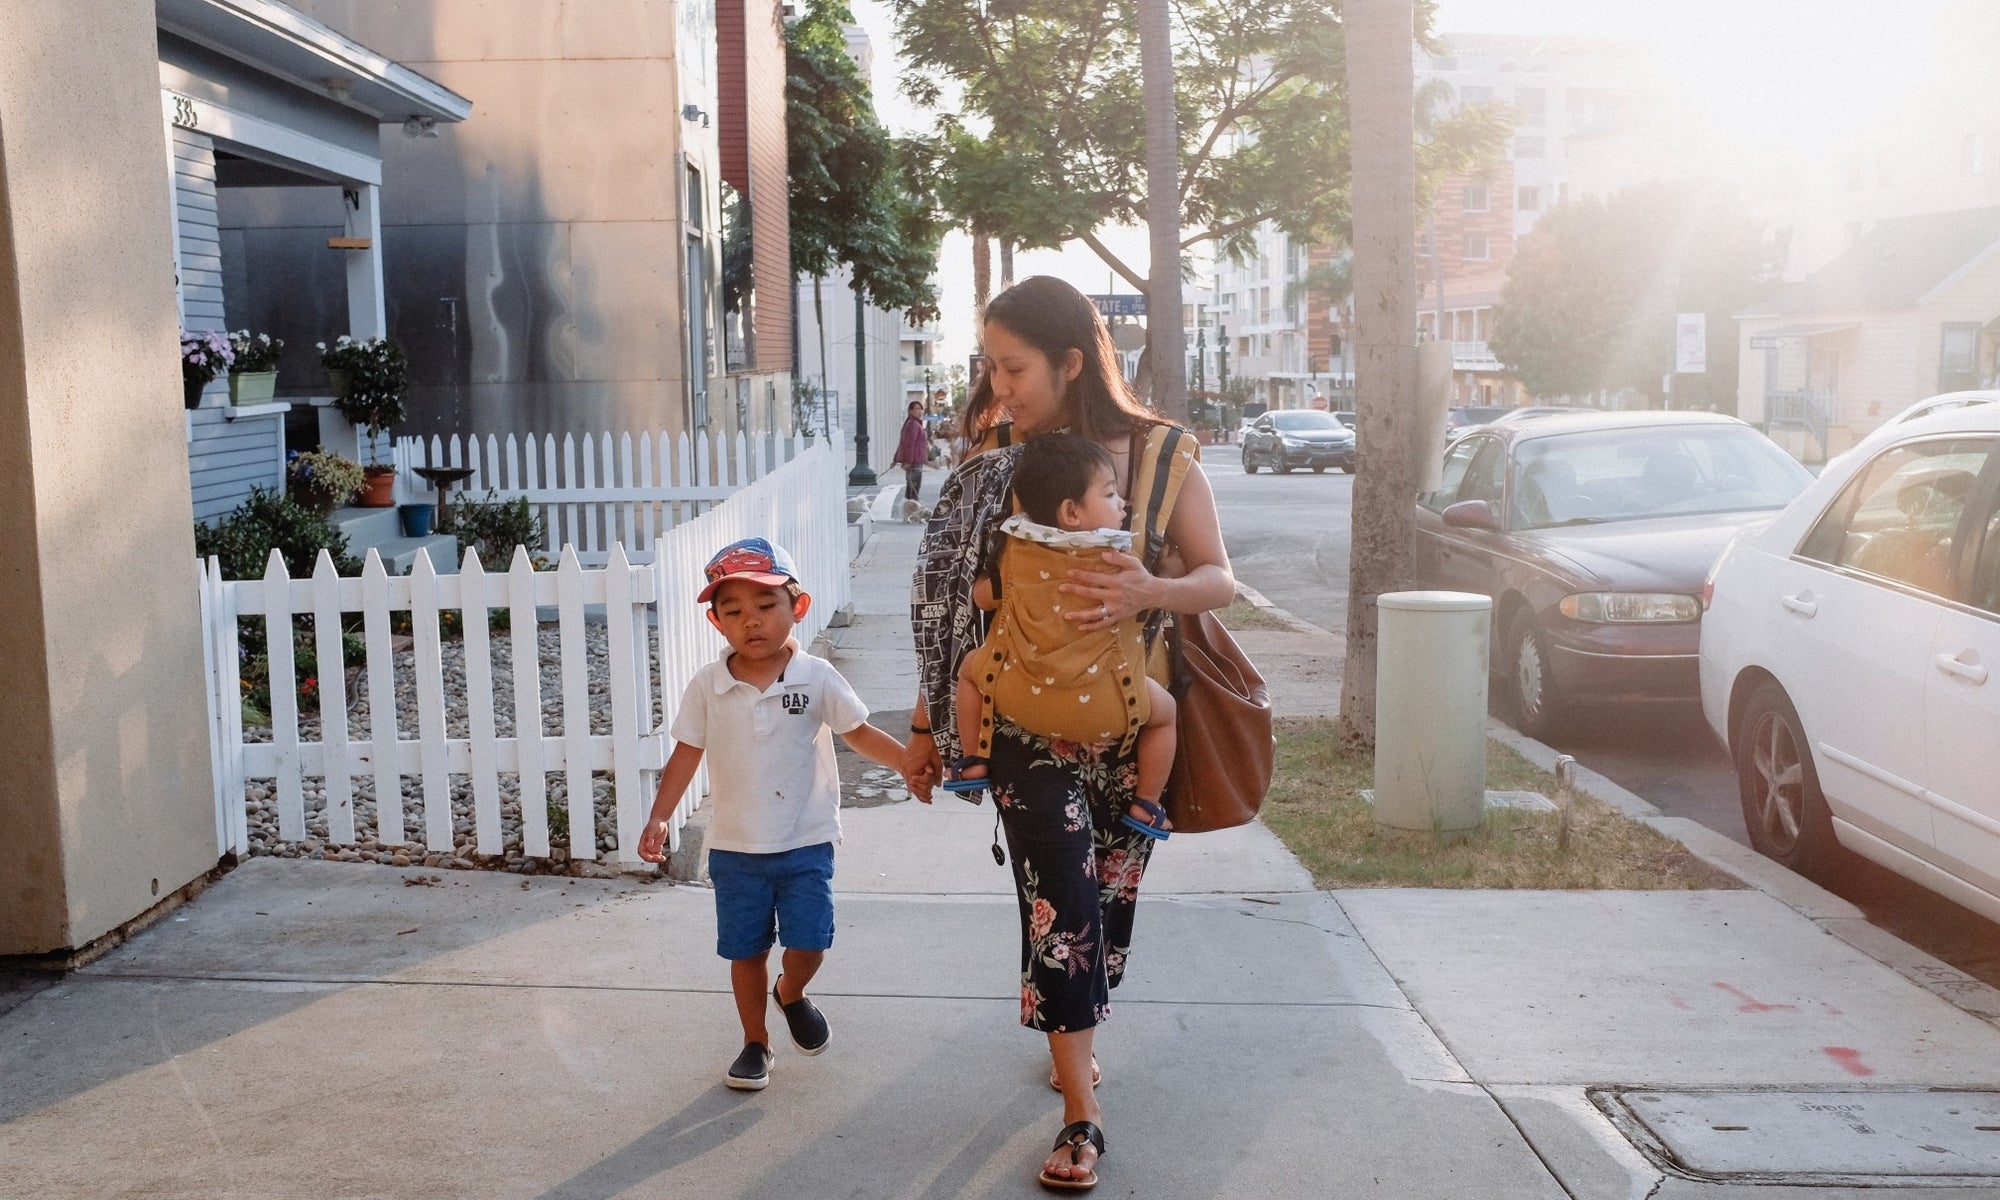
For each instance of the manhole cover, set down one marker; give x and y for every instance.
(1819, 1137)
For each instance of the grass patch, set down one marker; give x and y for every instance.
(1241, 614)
(1315, 807)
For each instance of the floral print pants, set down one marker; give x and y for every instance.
(1076, 871)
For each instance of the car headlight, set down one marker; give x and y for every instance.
(1292, 442)
(1628, 608)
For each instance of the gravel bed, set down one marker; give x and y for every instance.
(368, 847)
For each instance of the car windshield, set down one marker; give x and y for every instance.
(1629, 474)
(1303, 419)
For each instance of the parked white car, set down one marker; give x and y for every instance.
(1892, 428)
(1850, 661)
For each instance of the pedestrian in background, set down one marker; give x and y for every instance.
(913, 450)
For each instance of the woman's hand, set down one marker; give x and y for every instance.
(922, 766)
(1108, 597)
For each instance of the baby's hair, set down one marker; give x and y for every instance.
(1053, 468)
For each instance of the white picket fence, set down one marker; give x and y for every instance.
(801, 504)
(606, 489)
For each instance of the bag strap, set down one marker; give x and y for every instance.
(1161, 475)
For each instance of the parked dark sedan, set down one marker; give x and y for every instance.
(1299, 437)
(1594, 534)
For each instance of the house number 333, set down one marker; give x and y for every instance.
(185, 114)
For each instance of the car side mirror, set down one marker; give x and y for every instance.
(1471, 514)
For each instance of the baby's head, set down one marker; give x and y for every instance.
(1069, 482)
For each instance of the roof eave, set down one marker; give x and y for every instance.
(285, 43)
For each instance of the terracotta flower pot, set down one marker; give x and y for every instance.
(379, 490)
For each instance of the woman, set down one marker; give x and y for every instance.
(1077, 868)
(913, 449)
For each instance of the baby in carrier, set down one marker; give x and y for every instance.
(1040, 670)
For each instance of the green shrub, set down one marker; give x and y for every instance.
(494, 527)
(268, 520)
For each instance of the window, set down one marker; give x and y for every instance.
(1486, 479)
(1529, 199)
(1475, 247)
(1958, 357)
(1456, 461)
(1475, 197)
(1899, 519)
(1529, 147)
(1532, 103)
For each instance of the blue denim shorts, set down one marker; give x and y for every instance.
(761, 898)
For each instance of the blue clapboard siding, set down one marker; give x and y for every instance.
(227, 458)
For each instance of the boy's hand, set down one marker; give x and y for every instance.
(653, 842)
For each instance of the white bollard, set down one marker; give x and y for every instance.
(1430, 710)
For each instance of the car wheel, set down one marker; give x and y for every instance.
(1782, 805)
(1279, 466)
(1249, 464)
(1538, 708)
(1319, 470)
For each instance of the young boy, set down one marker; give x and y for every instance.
(768, 711)
(1038, 669)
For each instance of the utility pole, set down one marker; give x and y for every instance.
(1381, 107)
(862, 475)
(1166, 337)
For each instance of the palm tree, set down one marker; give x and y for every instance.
(1381, 87)
(1166, 337)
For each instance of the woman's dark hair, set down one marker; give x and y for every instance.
(916, 406)
(1055, 319)
(1053, 468)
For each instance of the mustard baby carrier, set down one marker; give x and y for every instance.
(1036, 667)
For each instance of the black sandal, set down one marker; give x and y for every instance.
(1154, 827)
(1076, 1135)
(958, 782)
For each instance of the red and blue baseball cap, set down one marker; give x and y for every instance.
(759, 560)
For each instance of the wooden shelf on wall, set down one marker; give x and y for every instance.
(348, 243)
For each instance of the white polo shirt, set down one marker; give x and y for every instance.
(771, 771)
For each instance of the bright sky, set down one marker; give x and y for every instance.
(1758, 82)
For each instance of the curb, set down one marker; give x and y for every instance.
(1833, 915)
(1258, 600)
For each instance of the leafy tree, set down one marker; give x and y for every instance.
(858, 196)
(1592, 293)
(1047, 145)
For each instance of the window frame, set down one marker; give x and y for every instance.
(1967, 537)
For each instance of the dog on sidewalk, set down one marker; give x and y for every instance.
(913, 512)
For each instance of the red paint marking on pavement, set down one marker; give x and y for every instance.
(1848, 1058)
(1679, 1003)
(1831, 1011)
(1751, 1004)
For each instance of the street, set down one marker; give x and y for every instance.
(1288, 538)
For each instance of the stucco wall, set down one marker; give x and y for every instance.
(552, 219)
(102, 724)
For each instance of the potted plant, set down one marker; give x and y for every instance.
(373, 399)
(323, 479)
(203, 356)
(253, 376)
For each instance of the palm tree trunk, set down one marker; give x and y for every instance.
(1381, 107)
(1166, 336)
(982, 272)
(1006, 264)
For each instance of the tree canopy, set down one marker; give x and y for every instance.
(1592, 292)
(1048, 141)
(858, 195)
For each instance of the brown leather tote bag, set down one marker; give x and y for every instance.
(1226, 749)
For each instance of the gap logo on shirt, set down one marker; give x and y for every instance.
(795, 703)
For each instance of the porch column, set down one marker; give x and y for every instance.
(108, 807)
(367, 310)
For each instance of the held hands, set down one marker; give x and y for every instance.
(1116, 594)
(922, 766)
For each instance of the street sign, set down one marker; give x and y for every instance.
(1120, 306)
(1690, 343)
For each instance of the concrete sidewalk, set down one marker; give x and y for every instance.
(310, 1029)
